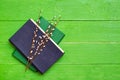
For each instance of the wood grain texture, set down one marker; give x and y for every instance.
(91, 44)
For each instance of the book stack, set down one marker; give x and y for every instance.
(35, 43)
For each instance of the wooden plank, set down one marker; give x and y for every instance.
(75, 54)
(59, 72)
(90, 54)
(69, 9)
(76, 31)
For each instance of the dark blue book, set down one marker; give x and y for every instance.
(22, 40)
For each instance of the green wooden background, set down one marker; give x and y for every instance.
(91, 44)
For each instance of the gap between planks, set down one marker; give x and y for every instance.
(92, 42)
(69, 64)
(83, 42)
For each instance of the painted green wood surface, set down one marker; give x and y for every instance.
(91, 44)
